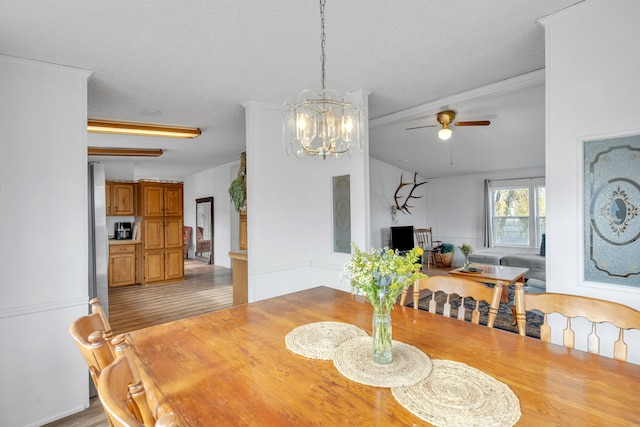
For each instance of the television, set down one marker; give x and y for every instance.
(402, 238)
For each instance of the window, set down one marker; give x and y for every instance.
(518, 212)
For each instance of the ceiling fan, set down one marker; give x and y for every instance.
(446, 118)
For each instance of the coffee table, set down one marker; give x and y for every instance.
(498, 274)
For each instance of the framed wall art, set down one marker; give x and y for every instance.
(612, 211)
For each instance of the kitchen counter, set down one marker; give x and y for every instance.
(124, 242)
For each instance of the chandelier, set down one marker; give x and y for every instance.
(322, 124)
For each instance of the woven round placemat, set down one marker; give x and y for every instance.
(354, 360)
(320, 339)
(458, 395)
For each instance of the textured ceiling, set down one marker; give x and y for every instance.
(197, 64)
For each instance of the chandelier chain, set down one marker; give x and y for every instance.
(322, 43)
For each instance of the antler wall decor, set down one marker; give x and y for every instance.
(405, 207)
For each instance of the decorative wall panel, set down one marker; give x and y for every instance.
(341, 186)
(611, 211)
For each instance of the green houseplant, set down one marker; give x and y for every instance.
(238, 187)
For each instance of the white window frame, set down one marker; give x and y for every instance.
(532, 184)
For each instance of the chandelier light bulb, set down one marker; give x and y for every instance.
(301, 123)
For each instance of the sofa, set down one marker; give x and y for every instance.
(534, 260)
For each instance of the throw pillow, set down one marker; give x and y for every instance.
(542, 245)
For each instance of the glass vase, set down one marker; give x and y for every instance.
(465, 267)
(381, 332)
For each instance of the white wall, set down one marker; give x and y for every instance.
(289, 210)
(214, 183)
(592, 90)
(384, 180)
(44, 244)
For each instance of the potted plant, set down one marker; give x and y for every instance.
(238, 187)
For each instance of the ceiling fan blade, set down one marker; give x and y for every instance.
(476, 123)
(420, 127)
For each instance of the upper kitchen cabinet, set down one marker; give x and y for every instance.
(173, 204)
(120, 198)
(160, 199)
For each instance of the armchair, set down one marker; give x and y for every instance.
(201, 244)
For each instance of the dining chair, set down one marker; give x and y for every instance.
(425, 240)
(571, 306)
(92, 334)
(462, 287)
(123, 394)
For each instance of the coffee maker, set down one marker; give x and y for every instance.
(122, 231)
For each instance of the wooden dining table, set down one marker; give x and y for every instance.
(232, 367)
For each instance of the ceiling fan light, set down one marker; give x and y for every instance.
(444, 134)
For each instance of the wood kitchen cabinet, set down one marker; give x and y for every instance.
(173, 237)
(154, 266)
(243, 230)
(160, 199)
(160, 233)
(153, 233)
(163, 265)
(173, 264)
(173, 204)
(160, 207)
(107, 192)
(120, 198)
(122, 265)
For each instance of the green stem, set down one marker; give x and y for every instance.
(382, 340)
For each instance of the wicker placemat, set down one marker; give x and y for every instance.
(354, 360)
(319, 340)
(458, 395)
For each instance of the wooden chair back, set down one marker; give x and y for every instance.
(593, 309)
(464, 288)
(113, 389)
(121, 391)
(92, 335)
(424, 238)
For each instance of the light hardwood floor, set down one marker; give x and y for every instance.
(205, 288)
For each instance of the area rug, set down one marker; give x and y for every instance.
(503, 321)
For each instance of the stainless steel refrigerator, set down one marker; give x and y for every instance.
(98, 236)
(98, 240)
